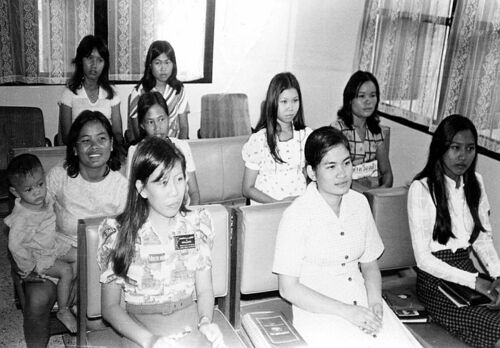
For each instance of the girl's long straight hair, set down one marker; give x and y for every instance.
(269, 113)
(151, 153)
(436, 181)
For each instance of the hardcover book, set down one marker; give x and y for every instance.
(462, 296)
(271, 329)
(405, 304)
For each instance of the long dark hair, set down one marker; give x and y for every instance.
(72, 163)
(351, 91)
(151, 153)
(146, 101)
(269, 115)
(434, 172)
(148, 81)
(84, 50)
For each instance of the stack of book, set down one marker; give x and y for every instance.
(462, 296)
(406, 305)
(271, 329)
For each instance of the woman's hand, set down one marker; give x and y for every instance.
(494, 292)
(378, 310)
(212, 332)
(365, 319)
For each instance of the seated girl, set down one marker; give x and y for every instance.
(326, 256)
(152, 114)
(359, 122)
(157, 254)
(448, 213)
(274, 154)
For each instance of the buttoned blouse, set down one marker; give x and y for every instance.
(163, 268)
(324, 250)
(362, 151)
(422, 217)
(278, 180)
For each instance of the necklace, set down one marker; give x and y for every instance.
(92, 93)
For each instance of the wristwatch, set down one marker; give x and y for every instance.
(203, 321)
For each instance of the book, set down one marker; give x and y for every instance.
(462, 296)
(405, 304)
(271, 329)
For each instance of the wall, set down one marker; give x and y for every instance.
(253, 41)
(408, 154)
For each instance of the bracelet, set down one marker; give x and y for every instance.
(204, 320)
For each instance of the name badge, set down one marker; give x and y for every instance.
(369, 169)
(185, 241)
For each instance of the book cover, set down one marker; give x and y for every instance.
(462, 296)
(271, 329)
(406, 305)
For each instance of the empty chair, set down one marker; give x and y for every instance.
(224, 115)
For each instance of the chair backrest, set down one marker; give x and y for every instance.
(219, 169)
(391, 217)
(23, 125)
(224, 115)
(89, 290)
(49, 156)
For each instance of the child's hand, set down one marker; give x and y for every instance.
(212, 333)
(34, 277)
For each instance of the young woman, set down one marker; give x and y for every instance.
(160, 75)
(326, 256)
(448, 212)
(157, 254)
(274, 154)
(153, 119)
(359, 122)
(89, 88)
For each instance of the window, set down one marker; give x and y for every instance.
(38, 39)
(434, 58)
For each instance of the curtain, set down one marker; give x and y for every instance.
(38, 38)
(401, 44)
(133, 25)
(472, 78)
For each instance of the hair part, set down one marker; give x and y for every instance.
(72, 163)
(322, 140)
(148, 81)
(22, 166)
(84, 50)
(436, 180)
(151, 153)
(269, 113)
(146, 102)
(351, 92)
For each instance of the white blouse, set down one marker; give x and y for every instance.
(422, 217)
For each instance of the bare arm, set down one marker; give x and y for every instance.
(65, 121)
(308, 299)
(183, 126)
(249, 190)
(194, 191)
(116, 123)
(119, 318)
(384, 166)
(373, 285)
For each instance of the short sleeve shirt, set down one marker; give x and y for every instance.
(164, 265)
(79, 102)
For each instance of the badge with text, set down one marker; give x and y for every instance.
(185, 241)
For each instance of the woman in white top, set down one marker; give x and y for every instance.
(274, 154)
(448, 213)
(326, 256)
(89, 88)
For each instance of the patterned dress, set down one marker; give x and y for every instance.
(278, 180)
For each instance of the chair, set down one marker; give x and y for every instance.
(224, 115)
(93, 331)
(20, 126)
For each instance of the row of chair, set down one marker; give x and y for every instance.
(242, 267)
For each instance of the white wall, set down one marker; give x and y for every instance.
(253, 41)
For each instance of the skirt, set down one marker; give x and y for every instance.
(477, 326)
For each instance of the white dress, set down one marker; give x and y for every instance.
(278, 180)
(324, 252)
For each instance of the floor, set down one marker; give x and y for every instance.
(11, 318)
